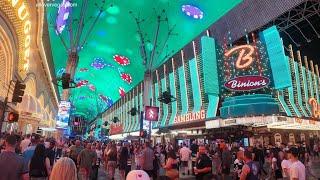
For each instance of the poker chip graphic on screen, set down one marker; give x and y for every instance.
(122, 60)
(122, 92)
(98, 63)
(82, 83)
(192, 11)
(126, 77)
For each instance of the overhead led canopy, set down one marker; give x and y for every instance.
(111, 56)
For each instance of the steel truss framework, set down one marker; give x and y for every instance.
(300, 24)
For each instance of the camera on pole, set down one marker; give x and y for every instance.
(115, 120)
(133, 111)
(18, 92)
(66, 79)
(166, 97)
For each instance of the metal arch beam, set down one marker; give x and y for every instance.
(297, 44)
(314, 29)
(295, 25)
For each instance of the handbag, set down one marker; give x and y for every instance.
(172, 173)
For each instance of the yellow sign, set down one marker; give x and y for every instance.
(314, 108)
(190, 117)
(245, 55)
(24, 16)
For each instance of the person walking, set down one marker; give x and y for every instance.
(147, 159)
(85, 161)
(185, 155)
(25, 143)
(171, 166)
(123, 161)
(39, 166)
(297, 170)
(12, 165)
(75, 151)
(285, 165)
(137, 157)
(111, 158)
(203, 166)
(226, 159)
(29, 151)
(250, 171)
(50, 153)
(95, 165)
(64, 169)
(238, 164)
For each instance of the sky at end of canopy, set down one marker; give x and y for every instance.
(110, 62)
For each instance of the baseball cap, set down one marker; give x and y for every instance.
(138, 175)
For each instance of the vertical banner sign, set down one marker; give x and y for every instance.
(151, 113)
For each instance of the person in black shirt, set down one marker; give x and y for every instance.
(123, 160)
(50, 153)
(194, 148)
(259, 157)
(203, 165)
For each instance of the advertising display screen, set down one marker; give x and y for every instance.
(63, 114)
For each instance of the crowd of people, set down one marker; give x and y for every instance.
(34, 157)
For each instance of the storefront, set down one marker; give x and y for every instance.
(23, 58)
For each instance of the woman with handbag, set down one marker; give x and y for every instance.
(39, 167)
(171, 166)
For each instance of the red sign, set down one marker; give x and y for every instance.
(247, 83)
(116, 128)
(151, 113)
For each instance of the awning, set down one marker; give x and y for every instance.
(276, 122)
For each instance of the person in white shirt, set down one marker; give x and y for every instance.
(285, 165)
(297, 169)
(185, 154)
(25, 143)
(99, 154)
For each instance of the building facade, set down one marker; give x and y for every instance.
(25, 56)
(215, 84)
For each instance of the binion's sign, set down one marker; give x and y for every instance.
(244, 61)
(192, 116)
(247, 83)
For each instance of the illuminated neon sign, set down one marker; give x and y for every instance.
(24, 16)
(245, 58)
(315, 107)
(192, 116)
(247, 83)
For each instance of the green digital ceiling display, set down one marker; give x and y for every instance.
(111, 56)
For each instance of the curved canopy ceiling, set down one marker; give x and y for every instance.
(110, 59)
